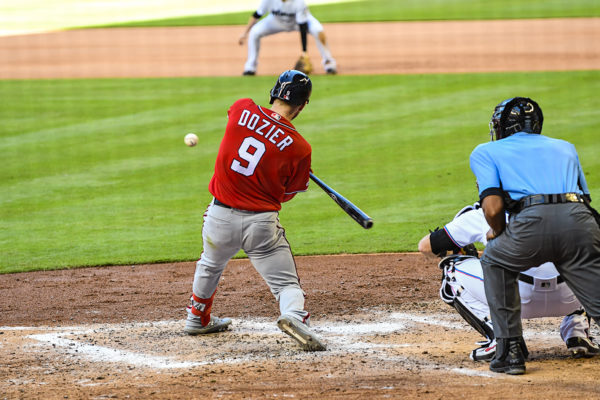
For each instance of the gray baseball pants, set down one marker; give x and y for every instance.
(227, 230)
(565, 234)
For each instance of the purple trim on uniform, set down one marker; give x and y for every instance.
(467, 274)
(275, 120)
(451, 238)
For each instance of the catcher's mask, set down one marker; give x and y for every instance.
(293, 87)
(517, 114)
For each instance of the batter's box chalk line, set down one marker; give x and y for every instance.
(342, 338)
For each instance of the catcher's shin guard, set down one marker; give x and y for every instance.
(450, 292)
(201, 307)
(447, 265)
(483, 326)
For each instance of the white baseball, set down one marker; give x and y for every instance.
(191, 139)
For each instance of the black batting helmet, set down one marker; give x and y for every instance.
(293, 87)
(517, 114)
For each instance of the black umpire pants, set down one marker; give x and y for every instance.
(565, 234)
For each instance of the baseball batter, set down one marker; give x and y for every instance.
(543, 291)
(262, 162)
(284, 16)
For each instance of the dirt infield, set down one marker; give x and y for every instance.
(115, 332)
(361, 48)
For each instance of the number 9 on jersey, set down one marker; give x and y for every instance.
(251, 158)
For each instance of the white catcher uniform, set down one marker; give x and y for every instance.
(543, 292)
(284, 16)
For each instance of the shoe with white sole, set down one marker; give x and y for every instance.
(301, 333)
(485, 352)
(583, 347)
(193, 326)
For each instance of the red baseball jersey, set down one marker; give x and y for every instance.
(262, 161)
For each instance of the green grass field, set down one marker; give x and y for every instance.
(95, 172)
(409, 10)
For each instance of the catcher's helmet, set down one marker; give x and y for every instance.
(293, 87)
(517, 114)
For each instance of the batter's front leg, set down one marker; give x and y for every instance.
(220, 244)
(221, 241)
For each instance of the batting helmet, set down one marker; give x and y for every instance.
(293, 87)
(517, 114)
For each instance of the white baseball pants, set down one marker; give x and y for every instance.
(552, 300)
(270, 25)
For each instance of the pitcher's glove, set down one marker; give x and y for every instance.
(304, 65)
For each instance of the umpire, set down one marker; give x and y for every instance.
(539, 180)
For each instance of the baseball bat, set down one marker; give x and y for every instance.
(354, 212)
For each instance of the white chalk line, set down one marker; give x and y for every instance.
(343, 338)
(104, 354)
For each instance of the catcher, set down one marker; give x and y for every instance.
(543, 291)
(286, 16)
(540, 182)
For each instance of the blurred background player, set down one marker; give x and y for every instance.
(262, 162)
(543, 291)
(285, 16)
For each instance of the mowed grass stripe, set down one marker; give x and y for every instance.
(407, 10)
(95, 172)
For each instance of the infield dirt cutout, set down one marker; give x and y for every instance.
(116, 332)
(359, 48)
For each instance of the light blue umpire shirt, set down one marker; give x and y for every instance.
(524, 164)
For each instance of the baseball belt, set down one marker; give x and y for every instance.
(529, 279)
(538, 199)
(221, 204)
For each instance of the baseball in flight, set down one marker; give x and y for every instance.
(191, 139)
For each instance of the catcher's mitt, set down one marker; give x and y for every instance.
(468, 250)
(304, 65)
